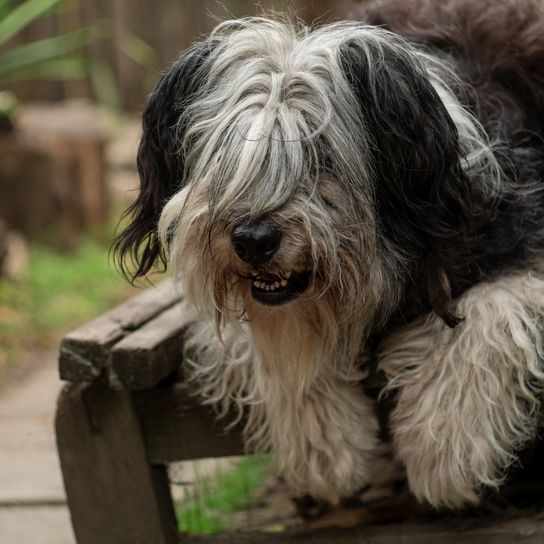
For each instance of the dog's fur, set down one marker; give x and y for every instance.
(405, 175)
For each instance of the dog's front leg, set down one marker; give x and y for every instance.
(322, 438)
(320, 427)
(468, 397)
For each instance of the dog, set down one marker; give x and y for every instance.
(316, 188)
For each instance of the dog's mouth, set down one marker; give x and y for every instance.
(276, 289)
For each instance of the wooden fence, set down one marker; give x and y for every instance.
(168, 26)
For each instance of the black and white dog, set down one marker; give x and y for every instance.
(314, 188)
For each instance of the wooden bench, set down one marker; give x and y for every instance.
(125, 413)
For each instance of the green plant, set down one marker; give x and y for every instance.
(41, 58)
(57, 292)
(210, 507)
(62, 57)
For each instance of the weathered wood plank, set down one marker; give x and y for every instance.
(153, 352)
(177, 427)
(115, 496)
(85, 351)
(521, 531)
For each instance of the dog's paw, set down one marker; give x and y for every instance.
(328, 476)
(437, 475)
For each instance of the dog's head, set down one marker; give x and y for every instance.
(288, 168)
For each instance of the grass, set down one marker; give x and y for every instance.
(211, 507)
(57, 292)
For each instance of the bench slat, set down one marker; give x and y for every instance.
(85, 351)
(153, 352)
(177, 427)
(520, 531)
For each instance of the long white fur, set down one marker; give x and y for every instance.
(469, 397)
(323, 434)
(276, 90)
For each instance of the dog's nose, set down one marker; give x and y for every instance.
(255, 243)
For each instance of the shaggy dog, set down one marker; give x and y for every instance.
(317, 188)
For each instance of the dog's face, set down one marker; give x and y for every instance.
(297, 170)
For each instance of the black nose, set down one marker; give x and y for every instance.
(255, 243)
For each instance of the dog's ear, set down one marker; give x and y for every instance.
(423, 195)
(160, 161)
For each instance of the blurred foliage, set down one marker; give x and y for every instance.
(8, 103)
(63, 57)
(210, 506)
(15, 18)
(57, 292)
(41, 58)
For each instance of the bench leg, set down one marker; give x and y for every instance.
(115, 496)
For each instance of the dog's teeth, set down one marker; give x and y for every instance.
(267, 285)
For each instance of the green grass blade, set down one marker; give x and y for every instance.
(42, 50)
(23, 15)
(212, 509)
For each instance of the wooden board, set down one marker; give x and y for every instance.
(521, 531)
(153, 352)
(176, 426)
(115, 496)
(85, 351)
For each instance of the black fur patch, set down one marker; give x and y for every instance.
(423, 196)
(160, 161)
(497, 50)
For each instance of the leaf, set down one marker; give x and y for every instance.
(5, 6)
(43, 50)
(104, 84)
(23, 15)
(74, 68)
(136, 49)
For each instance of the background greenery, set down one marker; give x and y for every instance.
(58, 291)
(211, 506)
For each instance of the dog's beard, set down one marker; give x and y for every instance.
(336, 286)
(291, 369)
